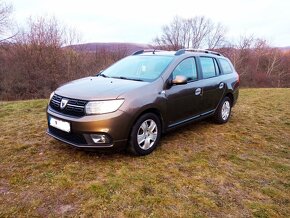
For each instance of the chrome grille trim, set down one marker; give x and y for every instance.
(74, 107)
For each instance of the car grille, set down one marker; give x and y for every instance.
(74, 138)
(74, 107)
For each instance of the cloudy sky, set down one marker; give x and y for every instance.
(141, 20)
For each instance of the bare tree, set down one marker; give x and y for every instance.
(39, 55)
(217, 37)
(259, 64)
(196, 32)
(5, 21)
(42, 31)
(173, 36)
(283, 73)
(273, 61)
(200, 28)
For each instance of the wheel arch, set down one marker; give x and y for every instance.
(231, 97)
(145, 111)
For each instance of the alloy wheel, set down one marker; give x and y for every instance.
(147, 134)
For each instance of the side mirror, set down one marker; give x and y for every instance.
(179, 80)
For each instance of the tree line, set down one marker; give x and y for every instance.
(36, 59)
(258, 64)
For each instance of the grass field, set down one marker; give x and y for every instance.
(241, 169)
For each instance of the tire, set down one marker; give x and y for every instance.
(223, 112)
(148, 138)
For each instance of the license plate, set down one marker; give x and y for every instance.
(59, 124)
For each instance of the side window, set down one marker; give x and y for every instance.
(186, 68)
(227, 68)
(208, 66)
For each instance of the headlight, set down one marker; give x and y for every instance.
(102, 107)
(51, 95)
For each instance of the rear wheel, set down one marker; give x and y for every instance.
(145, 134)
(223, 112)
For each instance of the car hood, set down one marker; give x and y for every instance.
(97, 88)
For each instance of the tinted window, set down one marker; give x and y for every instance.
(186, 68)
(208, 67)
(226, 66)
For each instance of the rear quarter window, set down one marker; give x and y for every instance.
(226, 66)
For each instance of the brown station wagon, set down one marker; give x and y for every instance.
(131, 103)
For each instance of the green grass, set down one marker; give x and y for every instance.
(240, 169)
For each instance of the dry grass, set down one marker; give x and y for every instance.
(239, 169)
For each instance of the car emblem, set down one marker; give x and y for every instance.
(63, 103)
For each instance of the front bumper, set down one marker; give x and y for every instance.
(116, 126)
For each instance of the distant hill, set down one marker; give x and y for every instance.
(110, 46)
(286, 48)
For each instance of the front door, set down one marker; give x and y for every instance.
(183, 101)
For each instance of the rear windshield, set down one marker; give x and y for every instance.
(143, 68)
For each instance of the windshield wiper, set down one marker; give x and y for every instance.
(103, 75)
(123, 77)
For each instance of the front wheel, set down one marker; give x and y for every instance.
(223, 112)
(145, 134)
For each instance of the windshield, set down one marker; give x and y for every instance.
(141, 68)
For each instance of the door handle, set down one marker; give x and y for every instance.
(221, 85)
(198, 91)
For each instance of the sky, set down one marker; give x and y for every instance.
(141, 21)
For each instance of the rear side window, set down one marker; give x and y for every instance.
(209, 67)
(186, 68)
(227, 68)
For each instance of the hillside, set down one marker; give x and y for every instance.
(285, 49)
(241, 169)
(110, 47)
(130, 47)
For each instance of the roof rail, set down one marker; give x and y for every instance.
(183, 50)
(146, 50)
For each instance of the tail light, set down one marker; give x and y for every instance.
(238, 82)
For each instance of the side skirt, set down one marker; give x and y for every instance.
(190, 120)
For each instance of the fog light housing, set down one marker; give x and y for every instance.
(100, 138)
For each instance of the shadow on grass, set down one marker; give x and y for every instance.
(117, 153)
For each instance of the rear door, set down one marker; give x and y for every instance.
(183, 101)
(213, 86)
